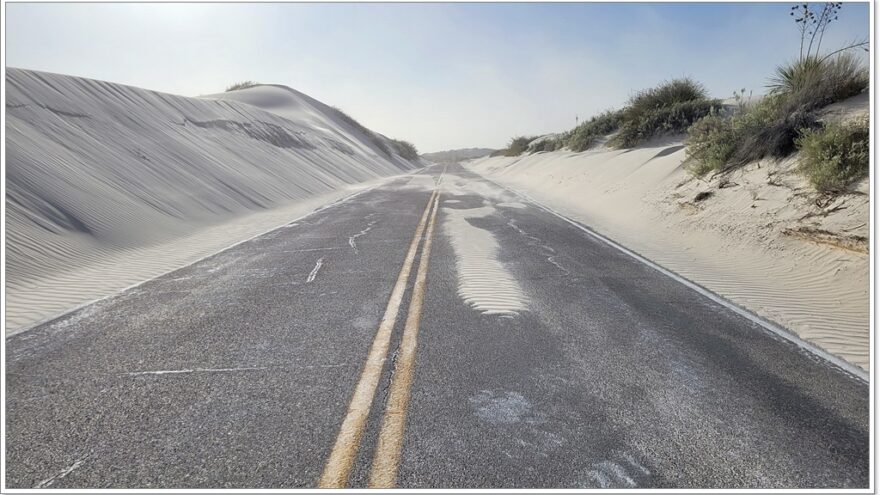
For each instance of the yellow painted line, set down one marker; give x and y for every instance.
(342, 457)
(387, 456)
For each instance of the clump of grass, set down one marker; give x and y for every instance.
(405, 149)
(675, 118)
(812, 82)
(584, 136)
(670, 107)
(710, 143)
(766, 129)
(665, 95)
(242, 85)
(516, 147)
(835, 156)
(771, 127)
(548, 143)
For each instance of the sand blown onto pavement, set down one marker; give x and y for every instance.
(483, 282)
(108, 185)
(761, 240)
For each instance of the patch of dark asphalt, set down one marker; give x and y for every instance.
(236, 371)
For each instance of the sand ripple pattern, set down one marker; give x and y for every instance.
(483, 282)
(729, 244)
(108, 185)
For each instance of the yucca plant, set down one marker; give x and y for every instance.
(812, 82)
(796, 75)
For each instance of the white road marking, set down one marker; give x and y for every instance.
(352, 238)
(314, 272)
(552, 258)
(766, 324)
(131, 288)
(193, 370)
(48, 481)
(309, 249)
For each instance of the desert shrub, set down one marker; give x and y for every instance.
(585, 135)
(548, 143)
(710, 143)
(516, 147)
(768, 128)
(543, 145)
(670, 107)
(836, 155)
(405, 149)
(664, 95)
(677, 117)
(786, 119)
(242, 85)
(813, 82)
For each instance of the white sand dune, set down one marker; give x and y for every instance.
(761, 240)
(108, 185)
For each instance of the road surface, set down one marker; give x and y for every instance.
(523, 351)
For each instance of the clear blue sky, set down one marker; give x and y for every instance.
(440, 75)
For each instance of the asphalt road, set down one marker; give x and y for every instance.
(240, 370)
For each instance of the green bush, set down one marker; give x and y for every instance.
(665, 95)
(769, 129)
(637, 128)
(517, 146)
(710, 144)
(766, 129)
(405, 149)
(242, 85)
(585, 135)
(835, 156)
(546, 144)
(670, 107)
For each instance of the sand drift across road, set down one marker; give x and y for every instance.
(531, 355)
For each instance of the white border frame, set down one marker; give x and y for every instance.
(873, 212)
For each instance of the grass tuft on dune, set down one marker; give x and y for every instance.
(773, 127)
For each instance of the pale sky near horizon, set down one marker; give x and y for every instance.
(443, 76)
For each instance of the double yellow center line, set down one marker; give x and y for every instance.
(387, 455)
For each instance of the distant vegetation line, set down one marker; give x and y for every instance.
(722, 137)
(241, 85)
